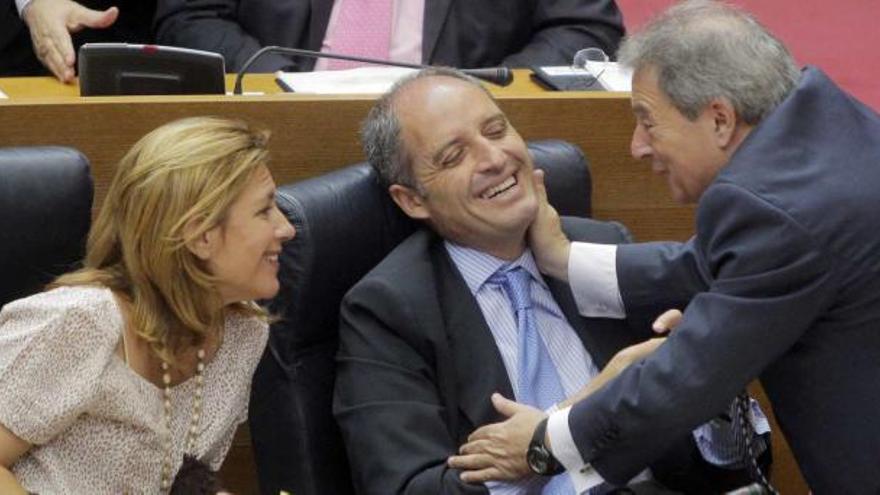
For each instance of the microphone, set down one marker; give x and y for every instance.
(501, 76)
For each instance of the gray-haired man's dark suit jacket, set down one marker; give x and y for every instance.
(458, 33)
(785, 267)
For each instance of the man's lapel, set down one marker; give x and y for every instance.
(478, 368)
(318, 21)
(436, 12)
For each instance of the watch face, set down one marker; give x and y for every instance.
(537, 460)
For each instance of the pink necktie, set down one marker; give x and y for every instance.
(363, 29)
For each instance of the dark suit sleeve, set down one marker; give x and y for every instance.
(769, 281)
(640, 316)
(387, 401)
(657, 276)
(681, 467)
(212, 25)
(562, 27)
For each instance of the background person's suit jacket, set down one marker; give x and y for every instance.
(457, 33)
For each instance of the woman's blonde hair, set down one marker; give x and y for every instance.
(174, 185)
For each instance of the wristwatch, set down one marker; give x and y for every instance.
(539, 457)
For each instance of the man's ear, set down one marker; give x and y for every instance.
(725, 120)
(410, 201)
(204, 244)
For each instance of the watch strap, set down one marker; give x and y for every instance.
(553, 466)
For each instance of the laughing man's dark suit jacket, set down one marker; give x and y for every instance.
(785, 266)
(417, 366)
(458, 33)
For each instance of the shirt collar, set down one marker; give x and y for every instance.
(476, 267)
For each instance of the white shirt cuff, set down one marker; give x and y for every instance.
(592, 273)
(583, 476)
(20, 5)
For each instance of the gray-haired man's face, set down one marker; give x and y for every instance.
(686, 152)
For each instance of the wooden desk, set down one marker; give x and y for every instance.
(314, 134)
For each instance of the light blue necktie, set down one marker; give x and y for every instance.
(538, 383)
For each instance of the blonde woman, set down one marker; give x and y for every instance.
(144, 357)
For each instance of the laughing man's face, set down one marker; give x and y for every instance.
(473, 168)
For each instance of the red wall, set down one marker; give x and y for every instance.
(841, 37)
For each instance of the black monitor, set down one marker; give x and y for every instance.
(128, 69)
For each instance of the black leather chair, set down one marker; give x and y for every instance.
(346, 223)
(45, 213)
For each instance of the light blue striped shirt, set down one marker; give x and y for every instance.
(573, 363)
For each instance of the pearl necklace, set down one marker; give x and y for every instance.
(193, 432)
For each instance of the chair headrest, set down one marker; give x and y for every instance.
(45, 213)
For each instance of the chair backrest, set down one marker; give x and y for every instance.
(45, 213)
(346, 223)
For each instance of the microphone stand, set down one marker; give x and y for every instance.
(501, 76)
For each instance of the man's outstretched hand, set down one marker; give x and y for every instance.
(52, 21)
